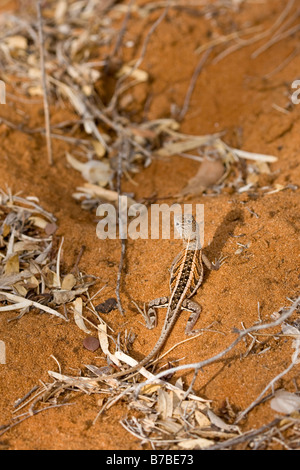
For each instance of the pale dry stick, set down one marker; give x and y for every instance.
(149, 34)
(192, 84)
(111, 402)
(139, 433)
(277, 34)
(39, 209)
(269, 385)
(281, 66)
(199, 365)
(119, 275)
(253, 341)
(280, 37)
(86, 320)
(129, 427)
(247, 42)
(223, 39)
(19, 401)
(94, 311)
(120, 131)
(71, 140)
(58, 364)
(201, 331)
(21, 99)
(247, 436)
(44, 84)
(27, 399)
(21, 302)
(122, 30)
(139, 60)
(131, 362)
(158, 359)
(281, 441)
(123, 152)
(96, 293)
(58, 262)
(30, 414)
(79, 256)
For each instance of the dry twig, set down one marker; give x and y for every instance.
(44, 83)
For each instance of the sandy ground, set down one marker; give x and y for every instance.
(235, 95)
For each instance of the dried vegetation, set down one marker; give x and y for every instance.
(81, 55)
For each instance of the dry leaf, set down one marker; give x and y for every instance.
(165, 403)
(77, 308)
(103, 339)
(99, 148)
(169, 425)
(10, 280)
(12, 265)
(92, 171)
(97, 172)
(137, 74)
(199, 443)
(217, 421)
(254, 156)
(262, 167)
(290, 330)
(209, 174)
(60, 11)
(68, 282)
(150, 389)
(5, 230)
(252, 179)
(93, 190)
(175, 148)
(35, 91)
(20, 303)
(21, 290)
(201, 419)
(63, 296)
(25, 246)
(32, 282)
(50, 277)
(38, 221)
(285, 402)
(16, 42)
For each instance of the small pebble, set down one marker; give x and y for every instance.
(50, 228)
(91, 343)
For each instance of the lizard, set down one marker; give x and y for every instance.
(185, 279)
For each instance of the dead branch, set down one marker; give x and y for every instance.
(241, 334)
(44, 84)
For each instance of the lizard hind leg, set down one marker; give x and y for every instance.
(151, 316)
(195, 310)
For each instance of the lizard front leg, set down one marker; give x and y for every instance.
(213, 266)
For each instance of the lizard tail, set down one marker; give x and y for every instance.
(155, 350)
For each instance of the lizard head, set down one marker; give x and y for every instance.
(186, 226)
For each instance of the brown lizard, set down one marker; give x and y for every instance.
(186, 277)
